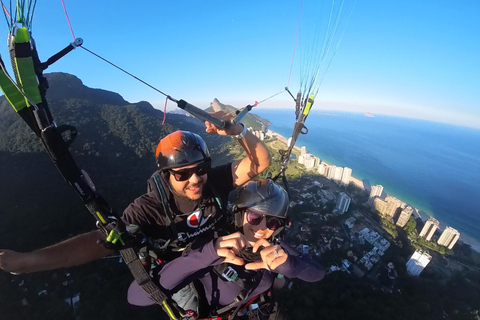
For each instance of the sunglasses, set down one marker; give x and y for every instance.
(185, 174)
(254, 219)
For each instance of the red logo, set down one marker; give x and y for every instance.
(196, 219)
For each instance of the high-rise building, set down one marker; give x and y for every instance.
(375, 192)
(449, 237)
(418, 261)
(429, 228)
(379, 205)
(343, 202)
(331, 171)
(393, 204)
(347, 173)
(337, 175)
(308, 160)
(323, 169)
(404, 216)
(303, 150)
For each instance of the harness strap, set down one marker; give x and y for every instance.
(162, 197)
(138, 271)
(227, 273)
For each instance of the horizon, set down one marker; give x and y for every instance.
(409, 59)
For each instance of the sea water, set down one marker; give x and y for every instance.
(433, 167)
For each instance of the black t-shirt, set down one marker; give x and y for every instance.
(193, 219)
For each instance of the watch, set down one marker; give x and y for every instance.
(242, 134)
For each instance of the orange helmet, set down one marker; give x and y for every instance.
(181, 148)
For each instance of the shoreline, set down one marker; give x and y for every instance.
(473, 243)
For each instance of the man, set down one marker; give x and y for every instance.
(183, 160)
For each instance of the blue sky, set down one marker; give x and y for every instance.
(410, 58)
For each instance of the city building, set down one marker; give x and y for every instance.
(404, 216)
(393, 204)
(323, 169)
(331, 171)
(308, 160)
(346, 175)
(343, 202)
(259, 134)
(449, 237)
(335, 173)
(303, 150)
(429, 228)
(388, 207)
(375, 192)
(379, 205)
(418, 261)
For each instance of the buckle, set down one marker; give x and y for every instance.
(230, 274)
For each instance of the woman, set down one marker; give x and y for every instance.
(235, 270)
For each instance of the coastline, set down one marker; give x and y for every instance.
(473, 243)
(282, 139)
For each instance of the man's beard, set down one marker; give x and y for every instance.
(186, 199)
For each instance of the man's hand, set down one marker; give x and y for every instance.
(272, 256)
(229, 130)
(229, 247)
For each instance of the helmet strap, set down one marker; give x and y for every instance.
(278, 235)
(238, 217)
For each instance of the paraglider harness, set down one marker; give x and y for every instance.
(260, 306)
(253, 309)
(155, 185)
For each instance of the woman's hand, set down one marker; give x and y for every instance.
(272, 256)
(229, 246)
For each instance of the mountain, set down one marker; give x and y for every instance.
(115, 144)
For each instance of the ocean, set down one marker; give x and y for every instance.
(433, 167)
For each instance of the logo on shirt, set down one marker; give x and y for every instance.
(184, 236)
(196, 219)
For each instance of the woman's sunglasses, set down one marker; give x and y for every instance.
(254, 219)
(185, 174)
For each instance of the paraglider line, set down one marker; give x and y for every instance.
(68, 19)
(295, 46)
(276, 94)
(131, 75)
(7, 14)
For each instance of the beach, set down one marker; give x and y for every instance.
(282, 139)
(359, 183)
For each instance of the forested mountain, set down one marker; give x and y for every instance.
(115, 145)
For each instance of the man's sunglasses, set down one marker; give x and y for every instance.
(185, 174)
(254, 219)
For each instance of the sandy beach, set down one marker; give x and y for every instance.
(359, 183)
(281, 138)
